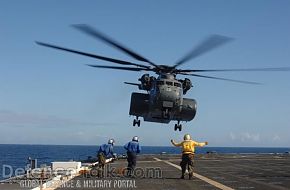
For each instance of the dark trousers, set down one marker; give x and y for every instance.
(131, 158)
(187, 162)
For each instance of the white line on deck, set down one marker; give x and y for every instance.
(203, 178)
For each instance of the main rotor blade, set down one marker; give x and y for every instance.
(120, 68)
(91, 55)
(207, 45)
(93, 32)
(225, 70)
(218, 78)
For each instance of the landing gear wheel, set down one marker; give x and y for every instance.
(177, 126)
(180, 127)
(136, 122)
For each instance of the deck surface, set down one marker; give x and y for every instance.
(232, 171)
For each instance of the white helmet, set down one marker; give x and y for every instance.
(111, 141)
(187, 137)
(135, 138)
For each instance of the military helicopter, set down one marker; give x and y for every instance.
(164, 99)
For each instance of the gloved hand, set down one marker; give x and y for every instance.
(206, 143)
(115, 156)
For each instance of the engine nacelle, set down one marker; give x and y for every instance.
(145, 78)
(146, 82)
(186, 85)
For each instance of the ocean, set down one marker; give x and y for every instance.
(15, 156)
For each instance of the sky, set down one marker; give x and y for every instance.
(52, 97)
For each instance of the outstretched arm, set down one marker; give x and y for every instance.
(200, 144)
(175, 144)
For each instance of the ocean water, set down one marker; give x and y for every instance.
(16, 155)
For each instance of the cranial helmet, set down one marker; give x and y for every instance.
(187, 137)
(135, 138)
(111, 141)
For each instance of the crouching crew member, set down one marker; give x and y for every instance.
(105, 151)
(187, 154)
(133, 148)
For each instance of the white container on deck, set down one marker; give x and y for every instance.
(72, 167)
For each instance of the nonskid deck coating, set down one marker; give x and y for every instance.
(232, 171)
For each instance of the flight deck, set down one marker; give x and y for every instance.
(212, 171)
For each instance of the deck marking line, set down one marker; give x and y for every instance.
(203, 178)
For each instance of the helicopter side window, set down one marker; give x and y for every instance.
(160, 82)
(169, 83)
(177, 84)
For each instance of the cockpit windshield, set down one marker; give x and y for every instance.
(169, 83)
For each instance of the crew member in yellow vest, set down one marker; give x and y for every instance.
(188, 148)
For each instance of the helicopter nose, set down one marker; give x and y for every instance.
(168, 94)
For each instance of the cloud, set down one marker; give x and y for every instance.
(232, 136)
(85, 137)
(250, 137)
(258, 139)
(276, 138)
(23, 119)
(245, 137)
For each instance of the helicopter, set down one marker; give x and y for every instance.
(164, 99)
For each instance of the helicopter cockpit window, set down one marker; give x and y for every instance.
(169, 83)
(177, 84)
(160, 82)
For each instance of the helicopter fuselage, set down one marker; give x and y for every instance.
(164, 101)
